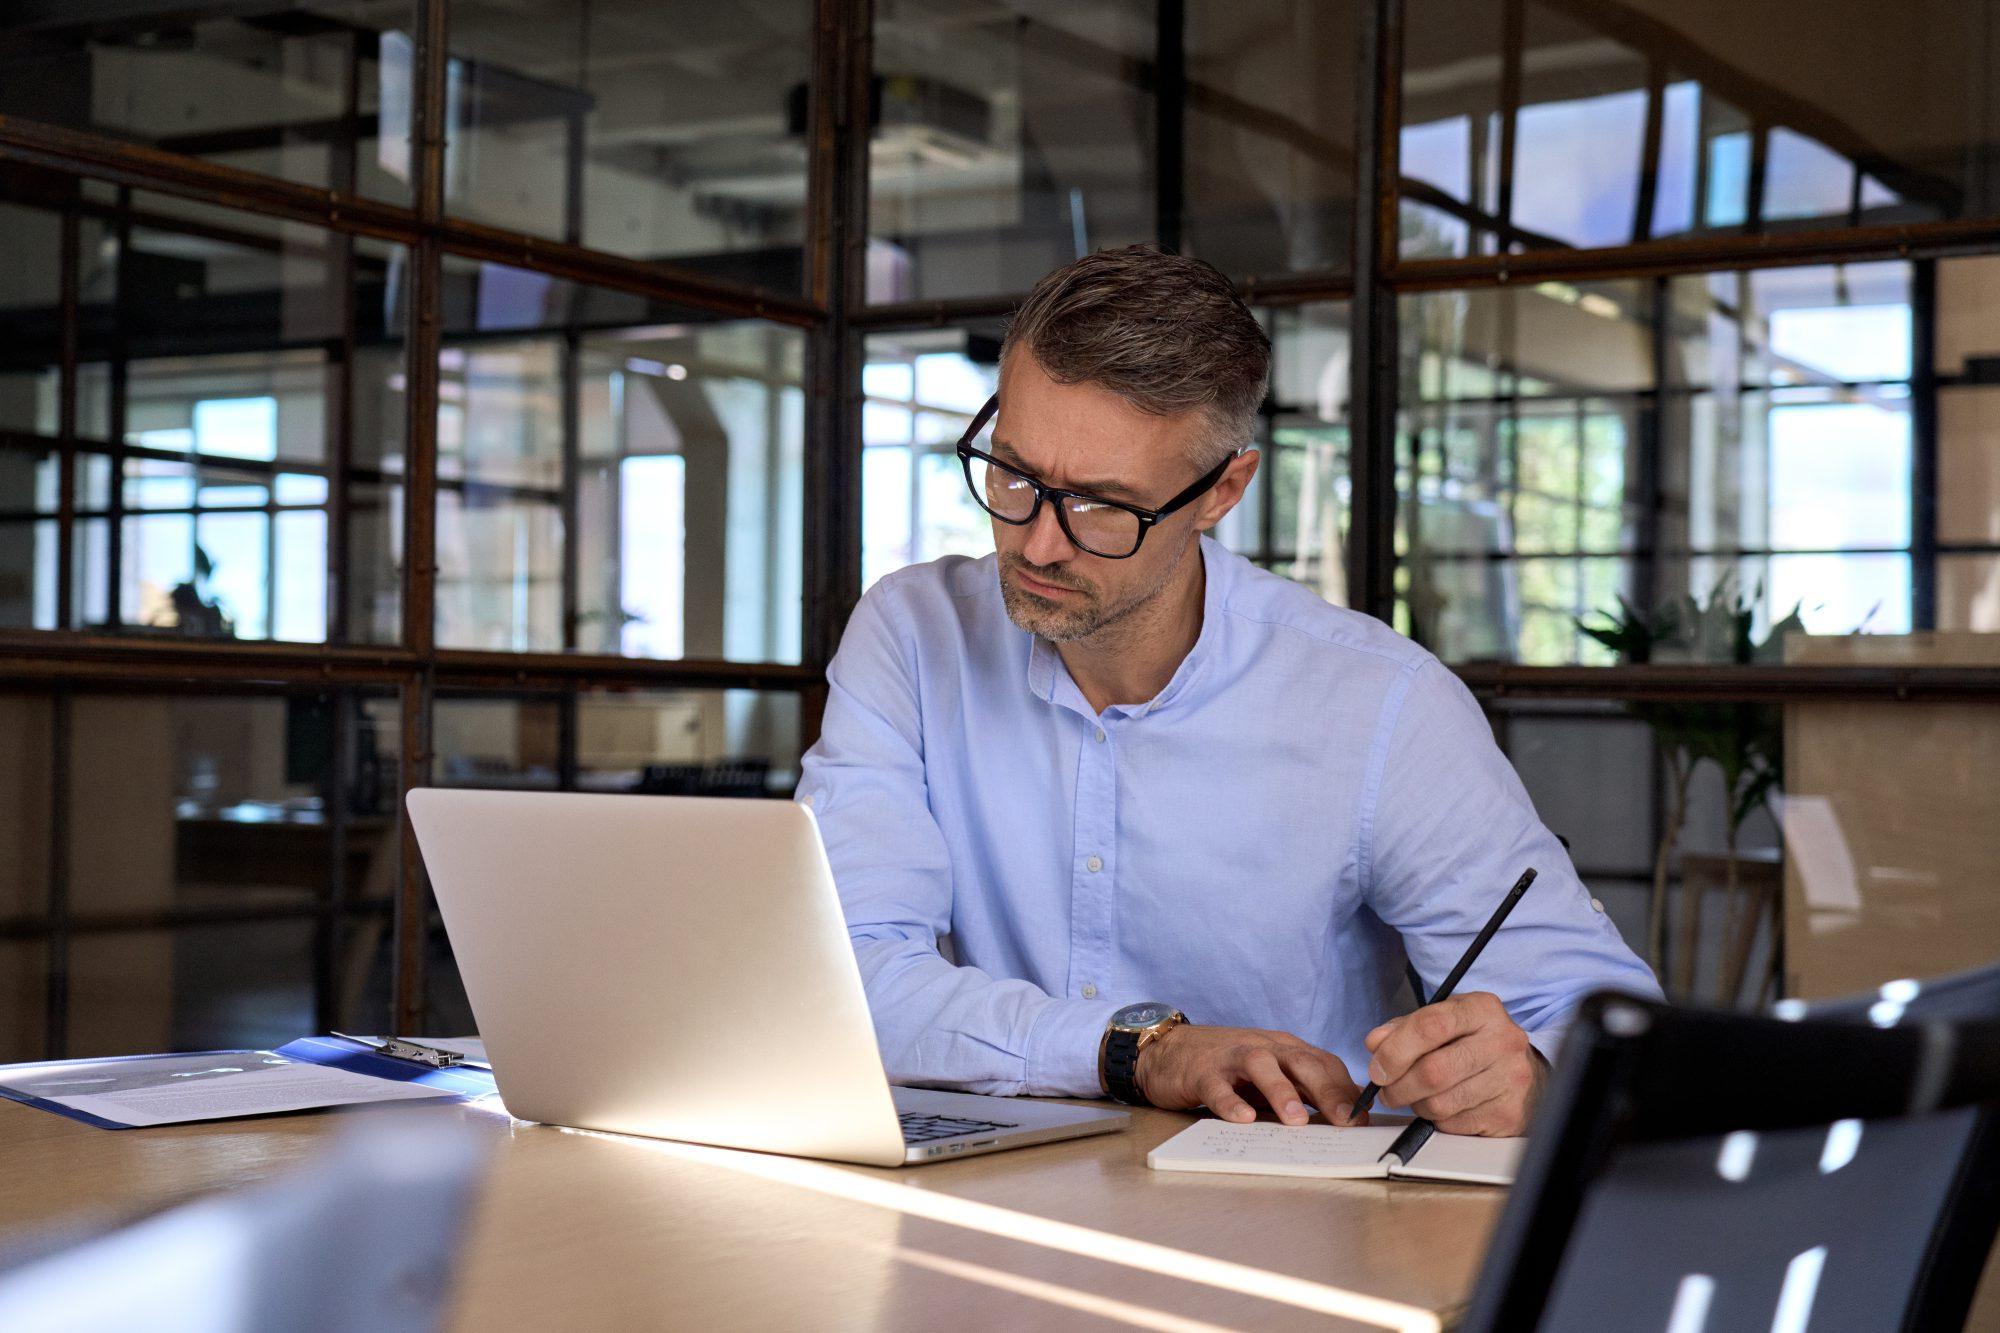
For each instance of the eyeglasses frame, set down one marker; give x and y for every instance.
(1044, 492)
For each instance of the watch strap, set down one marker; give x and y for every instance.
(1121, 1067)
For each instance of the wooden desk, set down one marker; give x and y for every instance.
(598, 1231)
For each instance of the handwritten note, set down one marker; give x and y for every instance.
(1266, 1149)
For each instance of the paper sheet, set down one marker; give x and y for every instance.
(171, 1090)
(1267, 1149)
(1465, 1158)
(1332, 1152)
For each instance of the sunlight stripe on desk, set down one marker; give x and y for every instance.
(1068, 1237)
(1085, 1302)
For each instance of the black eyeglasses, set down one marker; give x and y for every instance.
(1107, 528)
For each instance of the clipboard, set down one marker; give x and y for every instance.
(85, 1090)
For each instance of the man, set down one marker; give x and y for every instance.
(1115, 763)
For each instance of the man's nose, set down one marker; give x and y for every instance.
(1047, 543)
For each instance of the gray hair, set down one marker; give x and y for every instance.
(1166, 333)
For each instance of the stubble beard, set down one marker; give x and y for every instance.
(1057, 623)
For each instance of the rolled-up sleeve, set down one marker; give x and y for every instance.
(938, 1024)
(1448, 830)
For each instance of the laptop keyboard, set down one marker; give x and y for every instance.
(921, 1128)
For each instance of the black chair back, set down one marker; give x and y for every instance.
(1693, 1170)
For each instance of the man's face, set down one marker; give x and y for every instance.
(1086, 438)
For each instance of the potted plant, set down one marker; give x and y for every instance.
(1744, 740)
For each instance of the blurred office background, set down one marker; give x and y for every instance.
(509, 393)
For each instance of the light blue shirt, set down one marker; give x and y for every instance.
(1310, 796)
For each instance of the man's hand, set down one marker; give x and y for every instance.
(1192, 1066)
(1461, 1063)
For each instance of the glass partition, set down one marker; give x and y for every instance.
(1577, 457)
(669, 131)
(318, 93)
(1583, 125)
(1010, 139)
(657, 742)
(616, 476)
(242, 386)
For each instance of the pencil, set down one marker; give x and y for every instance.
(1472, 952)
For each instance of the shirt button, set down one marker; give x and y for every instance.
(1089, 991)
(1596, 905)
(807, 802)
(1094, 864)
(1100, 733)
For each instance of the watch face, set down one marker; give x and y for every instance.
(1142, 1015)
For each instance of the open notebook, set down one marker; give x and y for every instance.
(1331, 1152)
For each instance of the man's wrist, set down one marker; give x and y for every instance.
(1149, 1055)
(1127, 1037)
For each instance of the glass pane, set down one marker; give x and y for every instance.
(1687, 121)
(237, 547)
(1968, 593)
(217, 353)
(660, 131)
(30, 416)
(678, 743)
(314, 93)
(1723, 885)
(1968, 492)
(1294, 516)
(688, 466)
(93, 578)
(374, 581)
(26, 760)
(1832, 593)
(192, 989)
(689, 742)
(28, 546)
(30, 319)
(496, 742)
(500, 421)
(923, 389)
(1534, 497)
(1269, 135)
(1551, 338)
(1450, 105)
(1011, 139)
(180, 296)
(221, 806)
(23, 1000)
(1823, 325)
(499, 572)
(1968, 343)
(480, 299)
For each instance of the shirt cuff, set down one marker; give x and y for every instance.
(1062, 1048)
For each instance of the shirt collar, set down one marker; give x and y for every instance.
(1042, 661)
(1217, 571)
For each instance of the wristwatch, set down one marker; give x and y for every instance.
(1129, 1032)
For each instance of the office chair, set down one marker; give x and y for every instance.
(1694, 1170)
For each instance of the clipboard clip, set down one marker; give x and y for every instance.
(417, 1053)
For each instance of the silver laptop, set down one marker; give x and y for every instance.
(679, 967)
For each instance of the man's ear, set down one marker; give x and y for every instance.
(1224, 495)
